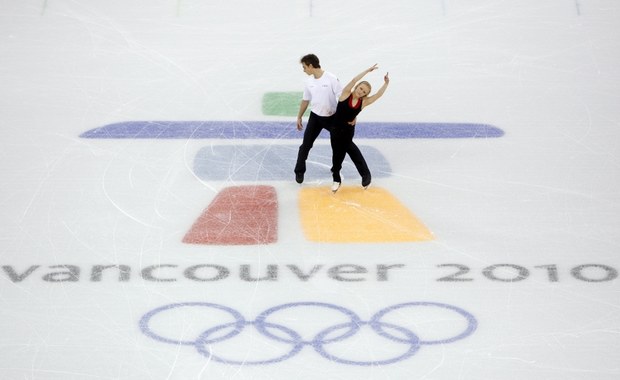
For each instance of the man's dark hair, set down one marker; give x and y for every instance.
(311, 59)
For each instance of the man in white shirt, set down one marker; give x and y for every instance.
(321, 93)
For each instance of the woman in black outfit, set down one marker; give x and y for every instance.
(352, 101)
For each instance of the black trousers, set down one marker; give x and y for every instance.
(342, 144)
(314, 126)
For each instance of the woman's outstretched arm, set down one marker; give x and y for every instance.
(346, 91)
(371, 99)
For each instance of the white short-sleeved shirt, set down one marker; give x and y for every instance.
(323, 94)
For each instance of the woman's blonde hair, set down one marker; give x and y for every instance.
(366, 83)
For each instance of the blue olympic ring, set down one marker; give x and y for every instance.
(283, 334)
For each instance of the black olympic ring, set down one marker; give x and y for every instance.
(335, 333)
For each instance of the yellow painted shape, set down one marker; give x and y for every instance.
(355, 215)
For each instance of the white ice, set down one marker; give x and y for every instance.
(539, 205)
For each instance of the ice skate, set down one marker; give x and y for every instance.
(366, 181)
(335, 187)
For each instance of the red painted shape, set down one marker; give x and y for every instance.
(239, 215)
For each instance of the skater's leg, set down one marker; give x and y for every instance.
(313, 129)
(358, 160)
(339, 143)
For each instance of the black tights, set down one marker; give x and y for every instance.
(342, 144)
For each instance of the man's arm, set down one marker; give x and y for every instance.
(302, 109)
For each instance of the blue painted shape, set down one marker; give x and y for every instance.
(282, 130)
(276, 163)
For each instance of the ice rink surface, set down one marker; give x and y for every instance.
(176, 256)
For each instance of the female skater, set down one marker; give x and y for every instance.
(352, 101)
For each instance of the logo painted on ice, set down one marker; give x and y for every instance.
(247, 214)
(337, 342)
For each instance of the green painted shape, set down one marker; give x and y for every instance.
(282, 103)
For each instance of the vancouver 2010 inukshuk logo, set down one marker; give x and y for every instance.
(246, 214)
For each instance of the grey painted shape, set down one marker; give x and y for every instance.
(276, 163)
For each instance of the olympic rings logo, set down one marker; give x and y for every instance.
(405, 341)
